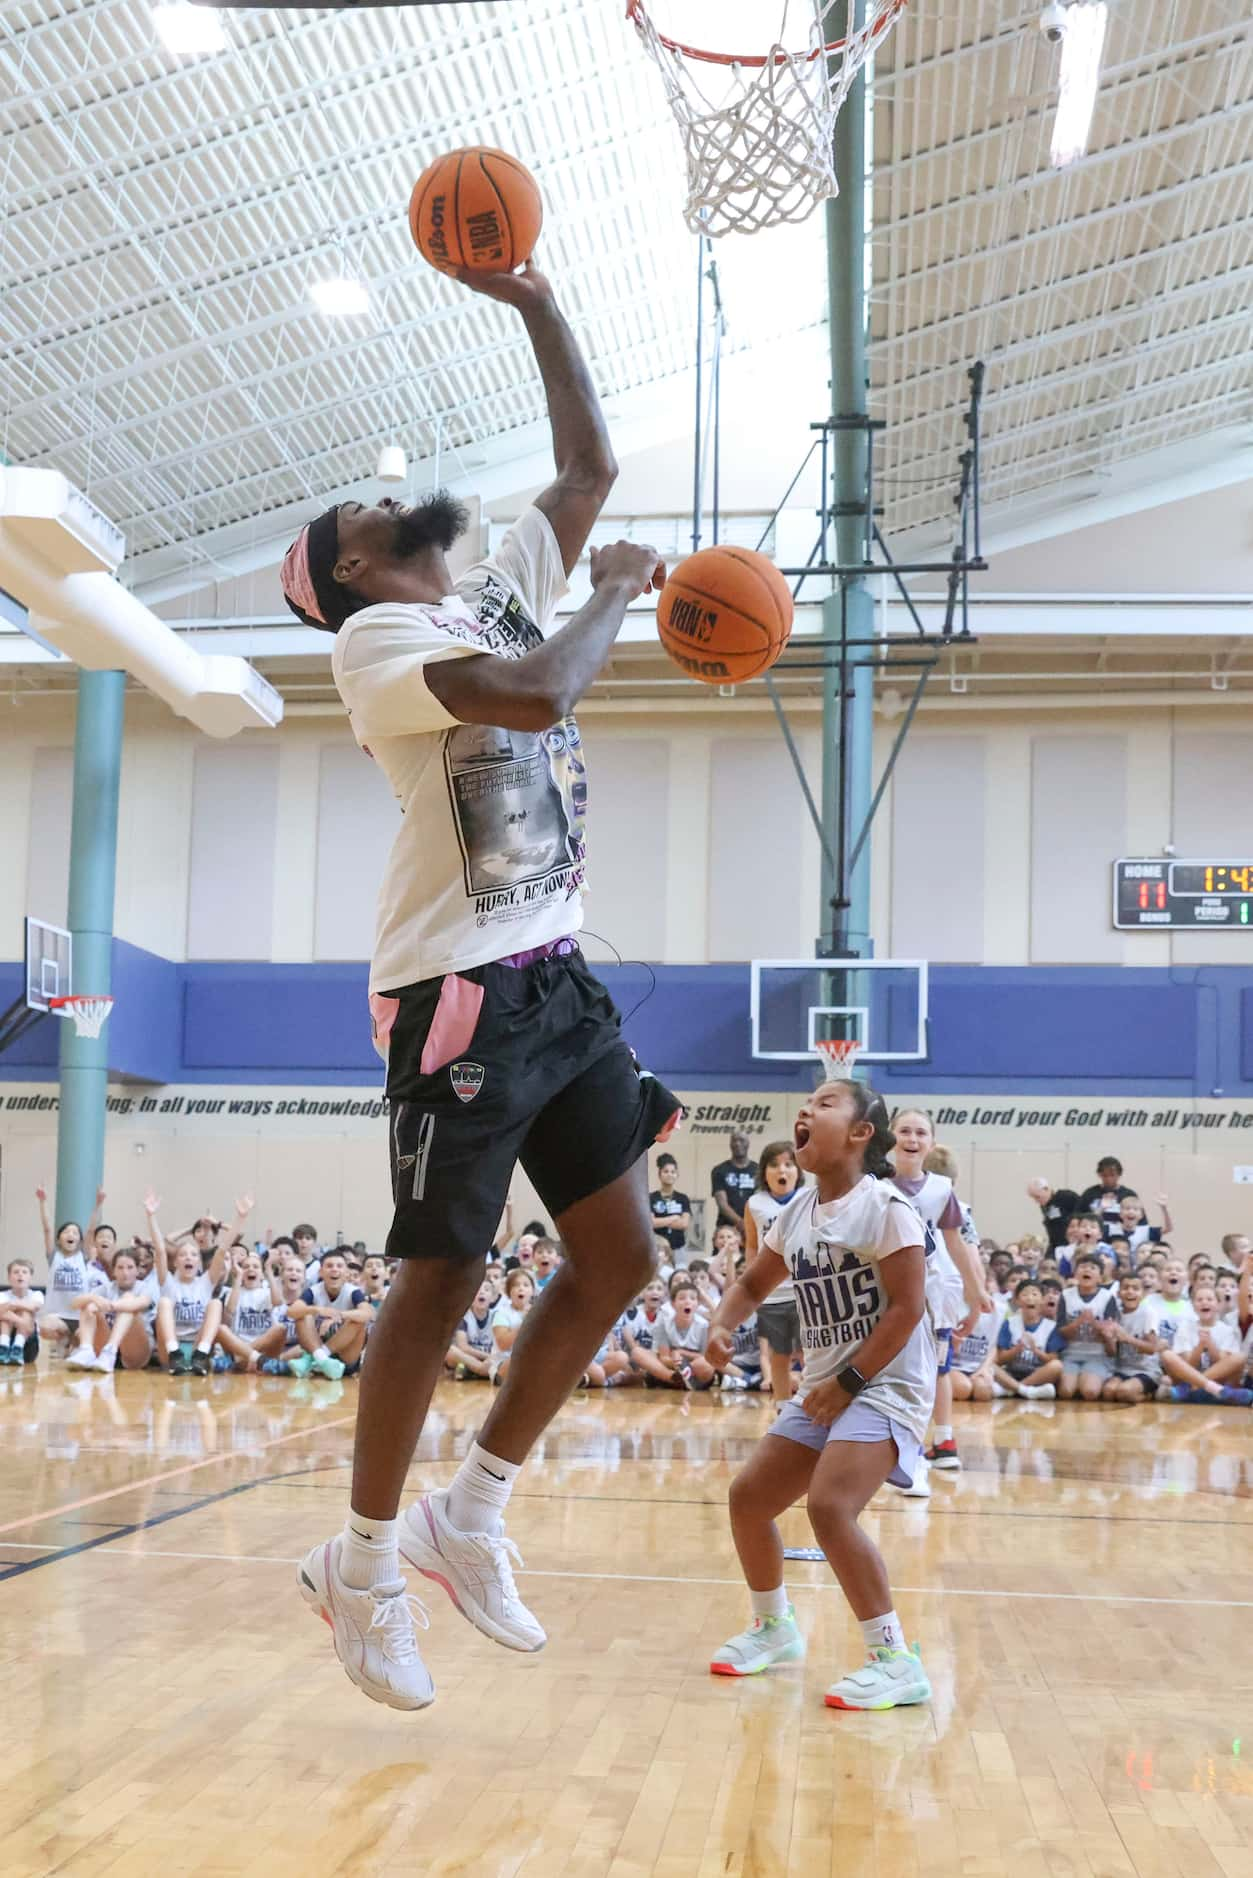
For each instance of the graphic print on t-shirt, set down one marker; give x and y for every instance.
(518, 797)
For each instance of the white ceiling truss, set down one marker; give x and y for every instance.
(162, 220)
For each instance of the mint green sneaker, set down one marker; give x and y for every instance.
(300, 1365)
(768, 1641)
(889, 1679)
(328, 1366)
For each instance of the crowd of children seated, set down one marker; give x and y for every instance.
(1098, 1306)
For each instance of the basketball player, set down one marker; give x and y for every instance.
(501, 1045)
(853, 1247)
(957, 1292)
(777, 1322)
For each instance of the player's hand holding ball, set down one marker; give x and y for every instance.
(628, 564)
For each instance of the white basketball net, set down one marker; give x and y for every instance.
(838, 1055)
(766, 154)
(88, 1013)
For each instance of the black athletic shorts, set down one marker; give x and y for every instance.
(780, 1325)
(544, 1077)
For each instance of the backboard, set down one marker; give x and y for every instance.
(49, 963)
(793, 1003)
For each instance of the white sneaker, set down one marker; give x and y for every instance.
(921, 1489)
(373, 1630)
(81, 1357)
(767, 1641)
(107, 1359)
(889, 1679)
(1041, 1392)
(475, 1569)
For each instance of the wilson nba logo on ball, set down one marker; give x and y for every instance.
(693, 620)
(467, 1080)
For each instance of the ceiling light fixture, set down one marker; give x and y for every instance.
(189, 30)
(340, 296)
(391, 466)
(1082, 43)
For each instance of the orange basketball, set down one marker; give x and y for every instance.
(476, 208)
(725, 615)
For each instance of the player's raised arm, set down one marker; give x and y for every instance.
(586, 467)
(539, 689)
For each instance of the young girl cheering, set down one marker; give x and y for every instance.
(777, 1322)
(852, 1247)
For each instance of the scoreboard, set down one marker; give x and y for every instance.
(1166, 893)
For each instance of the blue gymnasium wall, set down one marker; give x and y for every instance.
(998, 1030)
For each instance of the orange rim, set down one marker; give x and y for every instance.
(635, 11)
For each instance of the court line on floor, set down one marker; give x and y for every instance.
(172, 1473)
(140, 1525)
(648, 1578)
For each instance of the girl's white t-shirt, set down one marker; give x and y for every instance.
(835, 1254)
(945, 1292)
(190, 1298)
(972, 1352)
(765, 1209)
(146, 1287)
(254, 1311)
(489, 856)
(70, 1275)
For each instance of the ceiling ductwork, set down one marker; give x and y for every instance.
(58, 557)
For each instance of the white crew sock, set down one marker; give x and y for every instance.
(321, 1351)
(480, 1492)
(943, 1433)
(770, 1603)
(203, 1347)
(6, 1338)
(367, 1553)
(172, 1347)
(883, 1633)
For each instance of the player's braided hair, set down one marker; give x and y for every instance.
(870, 1107)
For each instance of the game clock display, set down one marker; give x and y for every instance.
(1167, 894)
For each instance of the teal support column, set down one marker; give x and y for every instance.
(848, 695)
(93, 870)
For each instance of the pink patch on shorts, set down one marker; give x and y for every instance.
(383, 1012)
(453, 1025)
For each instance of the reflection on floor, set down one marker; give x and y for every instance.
(1083, 1592)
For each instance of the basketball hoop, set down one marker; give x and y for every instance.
(838, 1055)
(766, 153)
(88, 1013)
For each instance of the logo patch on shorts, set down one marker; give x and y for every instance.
(467, 1080)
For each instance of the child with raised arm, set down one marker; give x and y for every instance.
(189, 1314)
(71, 1274)
(853, 1247)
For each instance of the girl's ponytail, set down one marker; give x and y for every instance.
(871, 1108)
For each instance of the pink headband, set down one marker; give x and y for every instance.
(297, 579)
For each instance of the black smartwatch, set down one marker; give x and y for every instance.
(851, 1380)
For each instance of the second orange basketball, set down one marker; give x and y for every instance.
(725, 615)
(476, 208)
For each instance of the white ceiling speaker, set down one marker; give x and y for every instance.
(391, 465)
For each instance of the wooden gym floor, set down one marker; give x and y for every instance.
(1083, 1593)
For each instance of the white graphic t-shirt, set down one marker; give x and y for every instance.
(835, 1253)
(940, 1211)
(191, 1298)
(489, 856)
(71, 1275)
(254, 1311)
(972, 1352)
(765, 1209)
(148, 1288)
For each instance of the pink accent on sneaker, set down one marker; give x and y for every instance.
(453, 1025)
(437, 1577)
